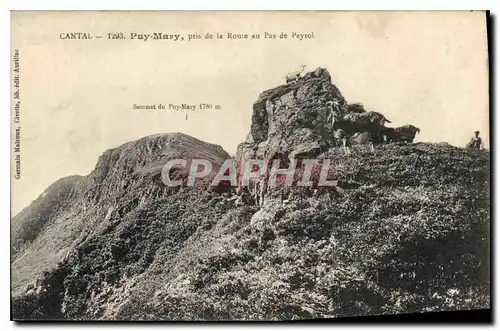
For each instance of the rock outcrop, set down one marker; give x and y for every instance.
(291, 120)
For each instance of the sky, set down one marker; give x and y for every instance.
(429, 69)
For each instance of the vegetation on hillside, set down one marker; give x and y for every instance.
(407, 230)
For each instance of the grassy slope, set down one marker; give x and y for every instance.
(409, 231)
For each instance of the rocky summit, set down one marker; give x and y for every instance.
(407, 229)
(292, 119)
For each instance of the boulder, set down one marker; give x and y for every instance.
(291, 120)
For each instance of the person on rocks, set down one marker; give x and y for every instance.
(341, 137)
(333, 106)
(475, 143)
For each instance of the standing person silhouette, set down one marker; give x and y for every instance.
(475, 143)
